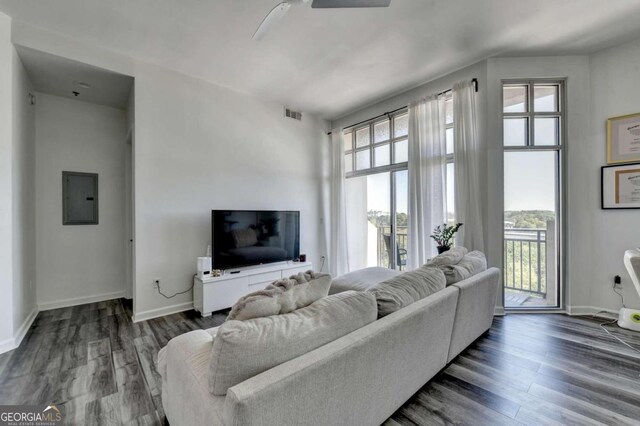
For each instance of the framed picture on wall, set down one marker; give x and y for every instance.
(623, 139)
(621, 186)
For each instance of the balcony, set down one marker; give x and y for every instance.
(384, 248)
(529, 272)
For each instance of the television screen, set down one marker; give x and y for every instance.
(254, 237)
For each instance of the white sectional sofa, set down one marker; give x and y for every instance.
(361, 378)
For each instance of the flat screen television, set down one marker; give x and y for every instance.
(254, 237)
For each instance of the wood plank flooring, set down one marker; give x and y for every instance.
(528, 369)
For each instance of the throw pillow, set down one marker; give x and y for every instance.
(449, 257)
(243, 349)
(404, 289)
(471, 264)
(282, 296)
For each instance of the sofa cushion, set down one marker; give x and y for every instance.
(243, 349)
(282, 296)
(404, 289)
(362, 279)
(471, 264)
(449, 257)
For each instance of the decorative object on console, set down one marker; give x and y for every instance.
(630, 317)
(443, 236)
(620, 186)
(204, 267)
(302, 258)
(623, 139)
(282, 296)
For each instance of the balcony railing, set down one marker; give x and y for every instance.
(384, 249)
(525, 256)
(525, 260)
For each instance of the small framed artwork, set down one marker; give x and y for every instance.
(621, 186)
(623, 139)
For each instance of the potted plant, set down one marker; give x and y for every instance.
(443, 236)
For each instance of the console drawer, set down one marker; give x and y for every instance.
(267, 277)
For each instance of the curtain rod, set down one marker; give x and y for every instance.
(473, 80)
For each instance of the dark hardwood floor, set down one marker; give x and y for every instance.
(528, 369)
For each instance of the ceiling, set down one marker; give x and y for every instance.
(332, 61)
(59, 76)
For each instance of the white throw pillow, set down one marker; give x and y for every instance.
(282, 296)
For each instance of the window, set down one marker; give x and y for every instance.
(376, 156)
(374, 146)
(533, 117)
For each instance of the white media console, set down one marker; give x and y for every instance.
(216, 293)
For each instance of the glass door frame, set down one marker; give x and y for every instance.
(391, 168)
(561, 178)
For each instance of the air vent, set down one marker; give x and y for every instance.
(292, 114)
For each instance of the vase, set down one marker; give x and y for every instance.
(442, 249)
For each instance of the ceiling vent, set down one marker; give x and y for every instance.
(296, 115)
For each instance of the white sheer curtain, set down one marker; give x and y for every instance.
(427, 176)
(339, 256)
(467, 156)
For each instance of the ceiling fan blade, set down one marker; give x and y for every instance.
(274, 16)
(326, 4)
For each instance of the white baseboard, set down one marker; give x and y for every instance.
(160, 312)
(26, 325)
(64, 303)
(10, 344)
(591, 310)
(6, 345)
(498, 311)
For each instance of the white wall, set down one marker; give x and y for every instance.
(76, 263)
(17, 281)
(615, 90)
(24, 291)
(6, 198)
(200, 147)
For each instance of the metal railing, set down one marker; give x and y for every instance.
(525, 260)
(383, 250)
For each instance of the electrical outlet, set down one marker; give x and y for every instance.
(156, 283)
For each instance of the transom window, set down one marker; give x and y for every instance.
(532, 114)
(377, 145)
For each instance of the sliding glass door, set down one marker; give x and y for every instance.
(533, 120)
(377, 184)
